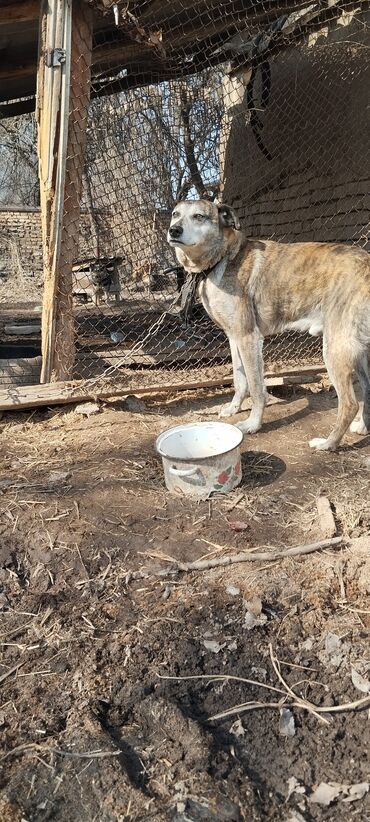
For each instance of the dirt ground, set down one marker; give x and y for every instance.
(110, 684)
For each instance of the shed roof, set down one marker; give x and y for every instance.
(139, 43)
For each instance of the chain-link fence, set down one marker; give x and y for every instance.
(262, 105)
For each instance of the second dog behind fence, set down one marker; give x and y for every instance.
(97, 277)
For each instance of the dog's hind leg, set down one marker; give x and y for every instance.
(361, 425)
(250, 350)
(240, 383)
(340, 365)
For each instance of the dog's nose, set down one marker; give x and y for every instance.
(175, 231)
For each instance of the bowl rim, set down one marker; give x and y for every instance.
(207, 424)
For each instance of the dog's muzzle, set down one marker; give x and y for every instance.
(175, 232)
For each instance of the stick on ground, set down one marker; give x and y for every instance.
(258, 556)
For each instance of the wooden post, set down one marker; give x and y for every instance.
(63, 89)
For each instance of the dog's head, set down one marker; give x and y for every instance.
(199, 225)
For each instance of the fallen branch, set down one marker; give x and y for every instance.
(258, 556)
(34, 746)
(288, 696)
(298, 702)
(307, 705)
(224, 678)
(294, 703)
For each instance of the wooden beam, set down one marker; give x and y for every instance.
(19, 107)
(122, 53)
(254, 11)
(12, 11)
(206, 32)
(13, 70)
(64, 393)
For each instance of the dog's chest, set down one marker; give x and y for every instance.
(217, 300)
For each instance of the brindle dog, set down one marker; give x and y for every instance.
(252, 288)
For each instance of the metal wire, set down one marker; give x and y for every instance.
(259, 104)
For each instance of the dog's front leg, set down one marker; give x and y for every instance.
(240, 383)
(250, 350)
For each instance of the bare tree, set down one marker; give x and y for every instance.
(18, 162)
(147, 148)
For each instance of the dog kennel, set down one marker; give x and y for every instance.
(262, 105)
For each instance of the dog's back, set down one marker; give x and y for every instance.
(303, 285)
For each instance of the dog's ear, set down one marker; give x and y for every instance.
(228, 218)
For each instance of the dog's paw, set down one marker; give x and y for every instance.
(249, 426)
(321, 444)
(358, 427)
(229, 409)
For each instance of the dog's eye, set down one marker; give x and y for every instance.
(175, 213)
(199, 217)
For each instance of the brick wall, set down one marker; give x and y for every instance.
(20, 241)
(316, 186)
(21, 269)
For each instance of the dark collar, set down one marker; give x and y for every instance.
(189, 289)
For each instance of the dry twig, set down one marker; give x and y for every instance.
(34, 746)
(286, 692)
(224, 678)
(258, 556)
(11, 671)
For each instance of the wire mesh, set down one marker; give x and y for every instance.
(262, 105)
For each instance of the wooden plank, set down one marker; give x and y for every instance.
(21, 106)
(62, 393)
(17, 69)
(259, 11)
(125, 359)
(297, 370)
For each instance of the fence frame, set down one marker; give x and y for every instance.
(65, 54)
